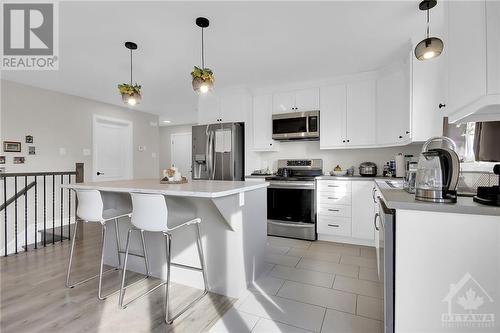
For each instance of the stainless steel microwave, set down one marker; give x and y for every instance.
(296, 126)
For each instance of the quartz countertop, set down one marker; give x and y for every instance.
(355, 177)
(397, 198)
(194, 188)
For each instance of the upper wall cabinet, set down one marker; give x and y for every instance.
(394, 106)
(262, 123)
(223, 107)
(473, 57)
(299, 100)
(361, 113)
(347, 118)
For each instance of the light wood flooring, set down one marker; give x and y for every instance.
(33, 297)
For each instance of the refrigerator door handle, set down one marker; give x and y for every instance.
(211, 157)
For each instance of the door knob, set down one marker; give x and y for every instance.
(99, 173)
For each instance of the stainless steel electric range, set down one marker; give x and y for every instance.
(291, 207)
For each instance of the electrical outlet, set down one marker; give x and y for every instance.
(62, 151)
(153, 155)
(142, 148)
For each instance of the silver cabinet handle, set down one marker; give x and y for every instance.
(333, 186)
(375, 221)
(332, 210)
(373, 194)
(332, 198)
(334, 225)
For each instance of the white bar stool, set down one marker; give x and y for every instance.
(91, 210)
(150, 213)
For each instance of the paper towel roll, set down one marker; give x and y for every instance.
(400, 165)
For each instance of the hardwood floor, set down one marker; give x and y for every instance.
(33, 297)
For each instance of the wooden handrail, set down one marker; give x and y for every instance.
(17, 195)
(33, 174)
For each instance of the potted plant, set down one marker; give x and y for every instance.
(203, 79)
(131, 94)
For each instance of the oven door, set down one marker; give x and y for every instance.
(291, 211)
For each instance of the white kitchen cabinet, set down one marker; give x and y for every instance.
(225, 107)
(362, 210)
(361, 113)
(307, 99)
(296, 101)
(393, 119)
(473, 58)
(345, 211)
(333, 116)
(262, 123)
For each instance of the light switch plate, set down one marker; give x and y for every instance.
(86, 152)
(153, 155)
(62, 151)
(142, 148)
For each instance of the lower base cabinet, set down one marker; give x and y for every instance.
(345, 211)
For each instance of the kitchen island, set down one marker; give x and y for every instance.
(445, 254)
(233, 230)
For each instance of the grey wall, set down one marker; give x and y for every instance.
(59, 120)
(165, 143)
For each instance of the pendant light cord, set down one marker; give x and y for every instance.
(202, 50)
(130, 66)
(428, 23)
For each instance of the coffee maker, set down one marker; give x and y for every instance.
(437, 172)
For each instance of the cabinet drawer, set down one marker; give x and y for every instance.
(334, 198)
(339, 226)
(334, 186)
(335, 210)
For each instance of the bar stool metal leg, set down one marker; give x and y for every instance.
(168, 238)
(68, 274)
(118, 247)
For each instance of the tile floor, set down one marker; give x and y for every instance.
(311, 287)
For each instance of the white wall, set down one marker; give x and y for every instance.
(345, 158)
(165, 143)
(59, 120)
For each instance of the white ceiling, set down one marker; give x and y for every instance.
(249, 43)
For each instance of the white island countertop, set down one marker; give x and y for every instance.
(194, 188)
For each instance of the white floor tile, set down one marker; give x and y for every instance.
(235, 321)
(267, 285)
(316, 255)
(278, 241)
(361, 287)
(359, 261)
(370, 274)
(328, 267)
(269, 326)
(370, 307)
(340, 322)
(334, 248)
(303, 275)
(268, 267)
(320, 296)
(286, 311)
(368, 252)
(277, 249)
(281, 259)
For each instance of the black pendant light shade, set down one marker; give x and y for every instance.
(131, 94)
(430, 47)
(203, 78)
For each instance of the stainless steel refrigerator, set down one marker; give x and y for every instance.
(219, 151)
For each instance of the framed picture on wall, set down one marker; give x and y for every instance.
(12, 147)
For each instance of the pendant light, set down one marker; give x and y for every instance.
(131, 93)
(430, 47)
(203, 78)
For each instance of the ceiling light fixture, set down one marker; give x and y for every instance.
(203, 78)
(430, 47)
(131, 93)
(167, 121)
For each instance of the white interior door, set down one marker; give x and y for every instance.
(181, 152)
(112, 149)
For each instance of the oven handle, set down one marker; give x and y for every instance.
(295, 225)
(292, 186)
